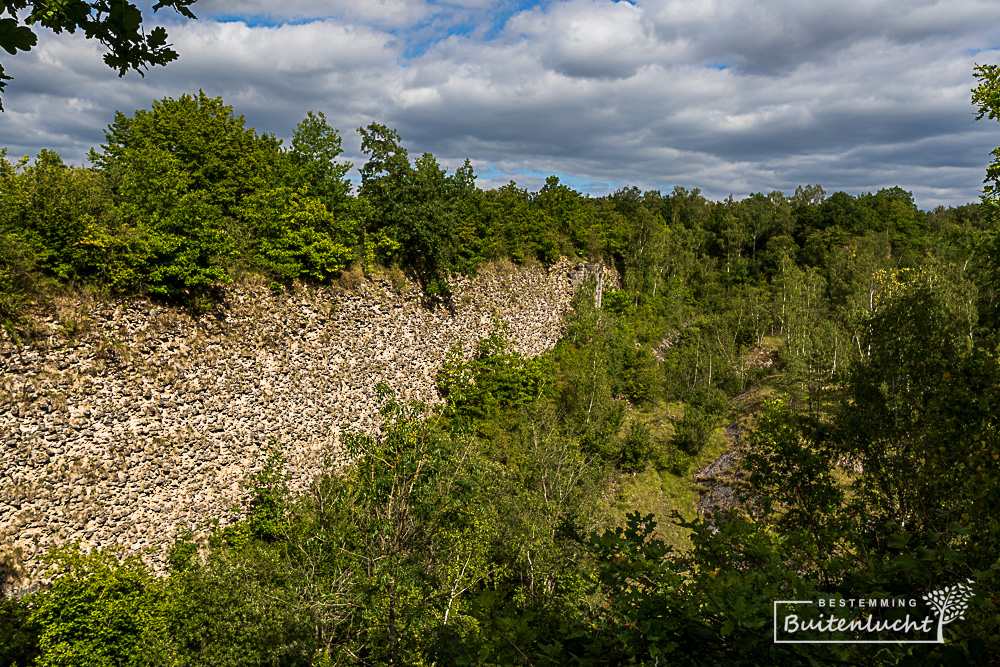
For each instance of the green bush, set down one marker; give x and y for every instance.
(636, 449)
(673, 460)
(294, 237)
(693, 430)
(98, 612)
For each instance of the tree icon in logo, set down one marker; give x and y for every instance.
(950, 603)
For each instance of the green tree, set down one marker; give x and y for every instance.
(790, 473)
(54, 210)
(764, 216)
(512, 221)
(313, 161)
(419, 532)
(566, 214)
(731, 236)
(986, 98)
(912, 347)
(99, 612)
(117, 24)
(430, 214)
(200, 138)
(495, 379)
(292, 235)
(179, 174)
(646, 255)
(892, 210)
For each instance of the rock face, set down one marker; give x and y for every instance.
(149, 419)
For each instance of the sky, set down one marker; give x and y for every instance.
(729, 96)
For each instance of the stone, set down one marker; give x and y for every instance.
(187, 458)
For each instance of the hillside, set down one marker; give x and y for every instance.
(169, 359)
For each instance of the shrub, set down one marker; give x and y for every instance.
(99, 611)
(636, 449)
(693, 430)
(674, 461)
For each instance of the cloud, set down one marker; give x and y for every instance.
(779, 35)
(381, 13)
(590, 38)
(732, 97)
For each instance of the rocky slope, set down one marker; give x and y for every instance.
(128, 419)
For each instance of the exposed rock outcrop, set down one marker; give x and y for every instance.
(150, 419)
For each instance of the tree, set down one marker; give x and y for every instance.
(180, 173)
(312, 158)
(198, 136)
(293, 236)
(51, 209)
(763, 216)
(565, 212)
(986, 96)
(427, 212)
(115, 23)
(917, 406)
(99, 611)
(893, 211)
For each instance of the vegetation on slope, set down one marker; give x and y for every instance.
(486, 532)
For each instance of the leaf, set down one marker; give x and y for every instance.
(905, 562)
(157, 38)
(956, 527)
(14, 37)
(926, 554)
(897, 541)
(952, 555)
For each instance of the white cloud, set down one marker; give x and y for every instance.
(591, 38)
(382, 13)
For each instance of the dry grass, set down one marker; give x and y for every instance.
(351, 280)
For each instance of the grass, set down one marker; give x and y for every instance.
(661, 493)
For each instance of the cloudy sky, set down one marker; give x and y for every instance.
(730, 96)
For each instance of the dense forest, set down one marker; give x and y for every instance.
(490, 530)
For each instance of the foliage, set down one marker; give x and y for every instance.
(98, 611)
(478, 532)
(712, 607)
(18, 634)
(294, 237)
(693, 430)
(494, 379)
(195, 143)
(117, 24)
(312, 161)
(788, 472)
(428, 213)
(179, 173)
(266, 515)
(15, 287)
(986, 98)
(637, 449)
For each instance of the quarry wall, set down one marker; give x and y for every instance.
(126, 419)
